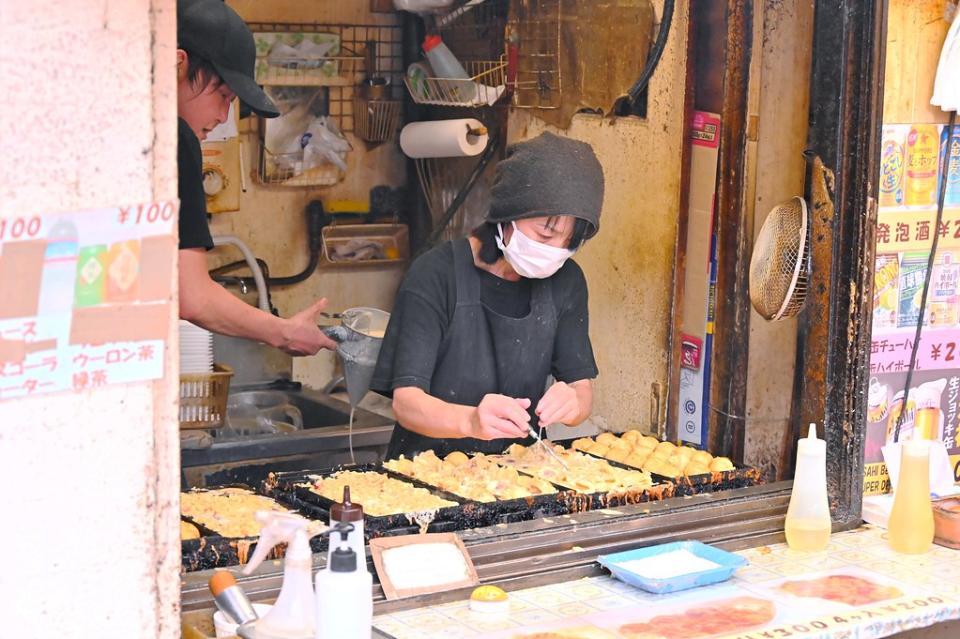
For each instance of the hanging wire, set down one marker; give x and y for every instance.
(926, 281)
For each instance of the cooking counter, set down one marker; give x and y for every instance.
(554, 582)
(885, 594)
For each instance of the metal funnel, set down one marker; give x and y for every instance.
(358, 344)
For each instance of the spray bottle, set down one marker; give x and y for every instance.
(293, 615)
(808, 515)
(344, 592)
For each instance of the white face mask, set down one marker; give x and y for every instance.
(530, 258)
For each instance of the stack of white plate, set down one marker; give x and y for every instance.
(196, 349)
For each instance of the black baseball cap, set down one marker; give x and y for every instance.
(212, 30)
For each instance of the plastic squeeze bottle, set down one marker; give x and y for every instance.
(347, 512)
(910, 529)
(344, 593)
(447, 68)
(293, 615)
(808, 515)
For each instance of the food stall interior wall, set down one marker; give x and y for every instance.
(629, 265)
(87, 121)
(777, 134)
(271, 218)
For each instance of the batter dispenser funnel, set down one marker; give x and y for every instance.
(358, 338)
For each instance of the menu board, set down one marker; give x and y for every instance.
(86, 297)
(912, 157)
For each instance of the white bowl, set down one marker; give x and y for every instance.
(226, 628)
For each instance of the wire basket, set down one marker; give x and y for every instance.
(365, 244)
(203, 398)
(286, 169)
(486, 85)
(375, 120)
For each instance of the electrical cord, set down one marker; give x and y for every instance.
(655, 53)
(941, 196)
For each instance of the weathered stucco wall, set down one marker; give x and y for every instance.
(87, 120)
(778, 104)
(271, 218)
(629, 265)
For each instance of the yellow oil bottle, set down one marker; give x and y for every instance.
(807, 526)
(910, 529)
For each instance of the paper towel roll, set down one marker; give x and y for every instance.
(443, 139)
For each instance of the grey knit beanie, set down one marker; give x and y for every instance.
(548, 175)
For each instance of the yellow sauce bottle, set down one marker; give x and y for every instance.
(910, 529)
(923, 155)
(808, 516)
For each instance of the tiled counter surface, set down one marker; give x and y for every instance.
(916, 591)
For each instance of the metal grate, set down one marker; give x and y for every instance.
(533, 51)
(362, 52)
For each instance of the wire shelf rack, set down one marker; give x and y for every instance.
(355, 54)
(486, 85)
(534, 53)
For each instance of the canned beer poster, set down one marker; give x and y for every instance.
(912, 157)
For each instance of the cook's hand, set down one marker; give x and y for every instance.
(499, 416)
(301, 336)
(558, 405)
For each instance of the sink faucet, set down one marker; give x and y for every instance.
(232, 240)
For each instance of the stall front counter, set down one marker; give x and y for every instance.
(857, 588)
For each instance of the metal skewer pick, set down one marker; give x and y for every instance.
(547, 448)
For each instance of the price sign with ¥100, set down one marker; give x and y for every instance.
(155, 213)
(20, 228)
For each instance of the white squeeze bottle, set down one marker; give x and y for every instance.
(447, 68)
(344, 592)
(347, 512)
(808, 516)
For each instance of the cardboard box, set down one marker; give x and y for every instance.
(696, 313)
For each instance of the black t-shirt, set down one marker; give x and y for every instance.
(424, 309)
(194, 231)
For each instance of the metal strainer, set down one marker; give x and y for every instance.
(780, 264)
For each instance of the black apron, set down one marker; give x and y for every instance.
(483, 352)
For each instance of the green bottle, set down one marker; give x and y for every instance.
(91, 276)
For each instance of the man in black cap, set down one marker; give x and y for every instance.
(481, 323)
(215, 64)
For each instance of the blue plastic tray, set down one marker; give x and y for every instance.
(728, 563)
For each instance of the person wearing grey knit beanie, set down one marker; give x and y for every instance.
(481, 323)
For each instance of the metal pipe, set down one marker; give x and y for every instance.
(223, 240)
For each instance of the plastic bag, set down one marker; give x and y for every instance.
(323, 143)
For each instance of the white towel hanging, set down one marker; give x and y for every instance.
(946, 85)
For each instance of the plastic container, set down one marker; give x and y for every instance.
(203, 398)
(344, 593)
(808, 517)
(911, 526)
(726, 562)
(446, 66)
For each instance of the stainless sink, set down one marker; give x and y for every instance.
(323, 442)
